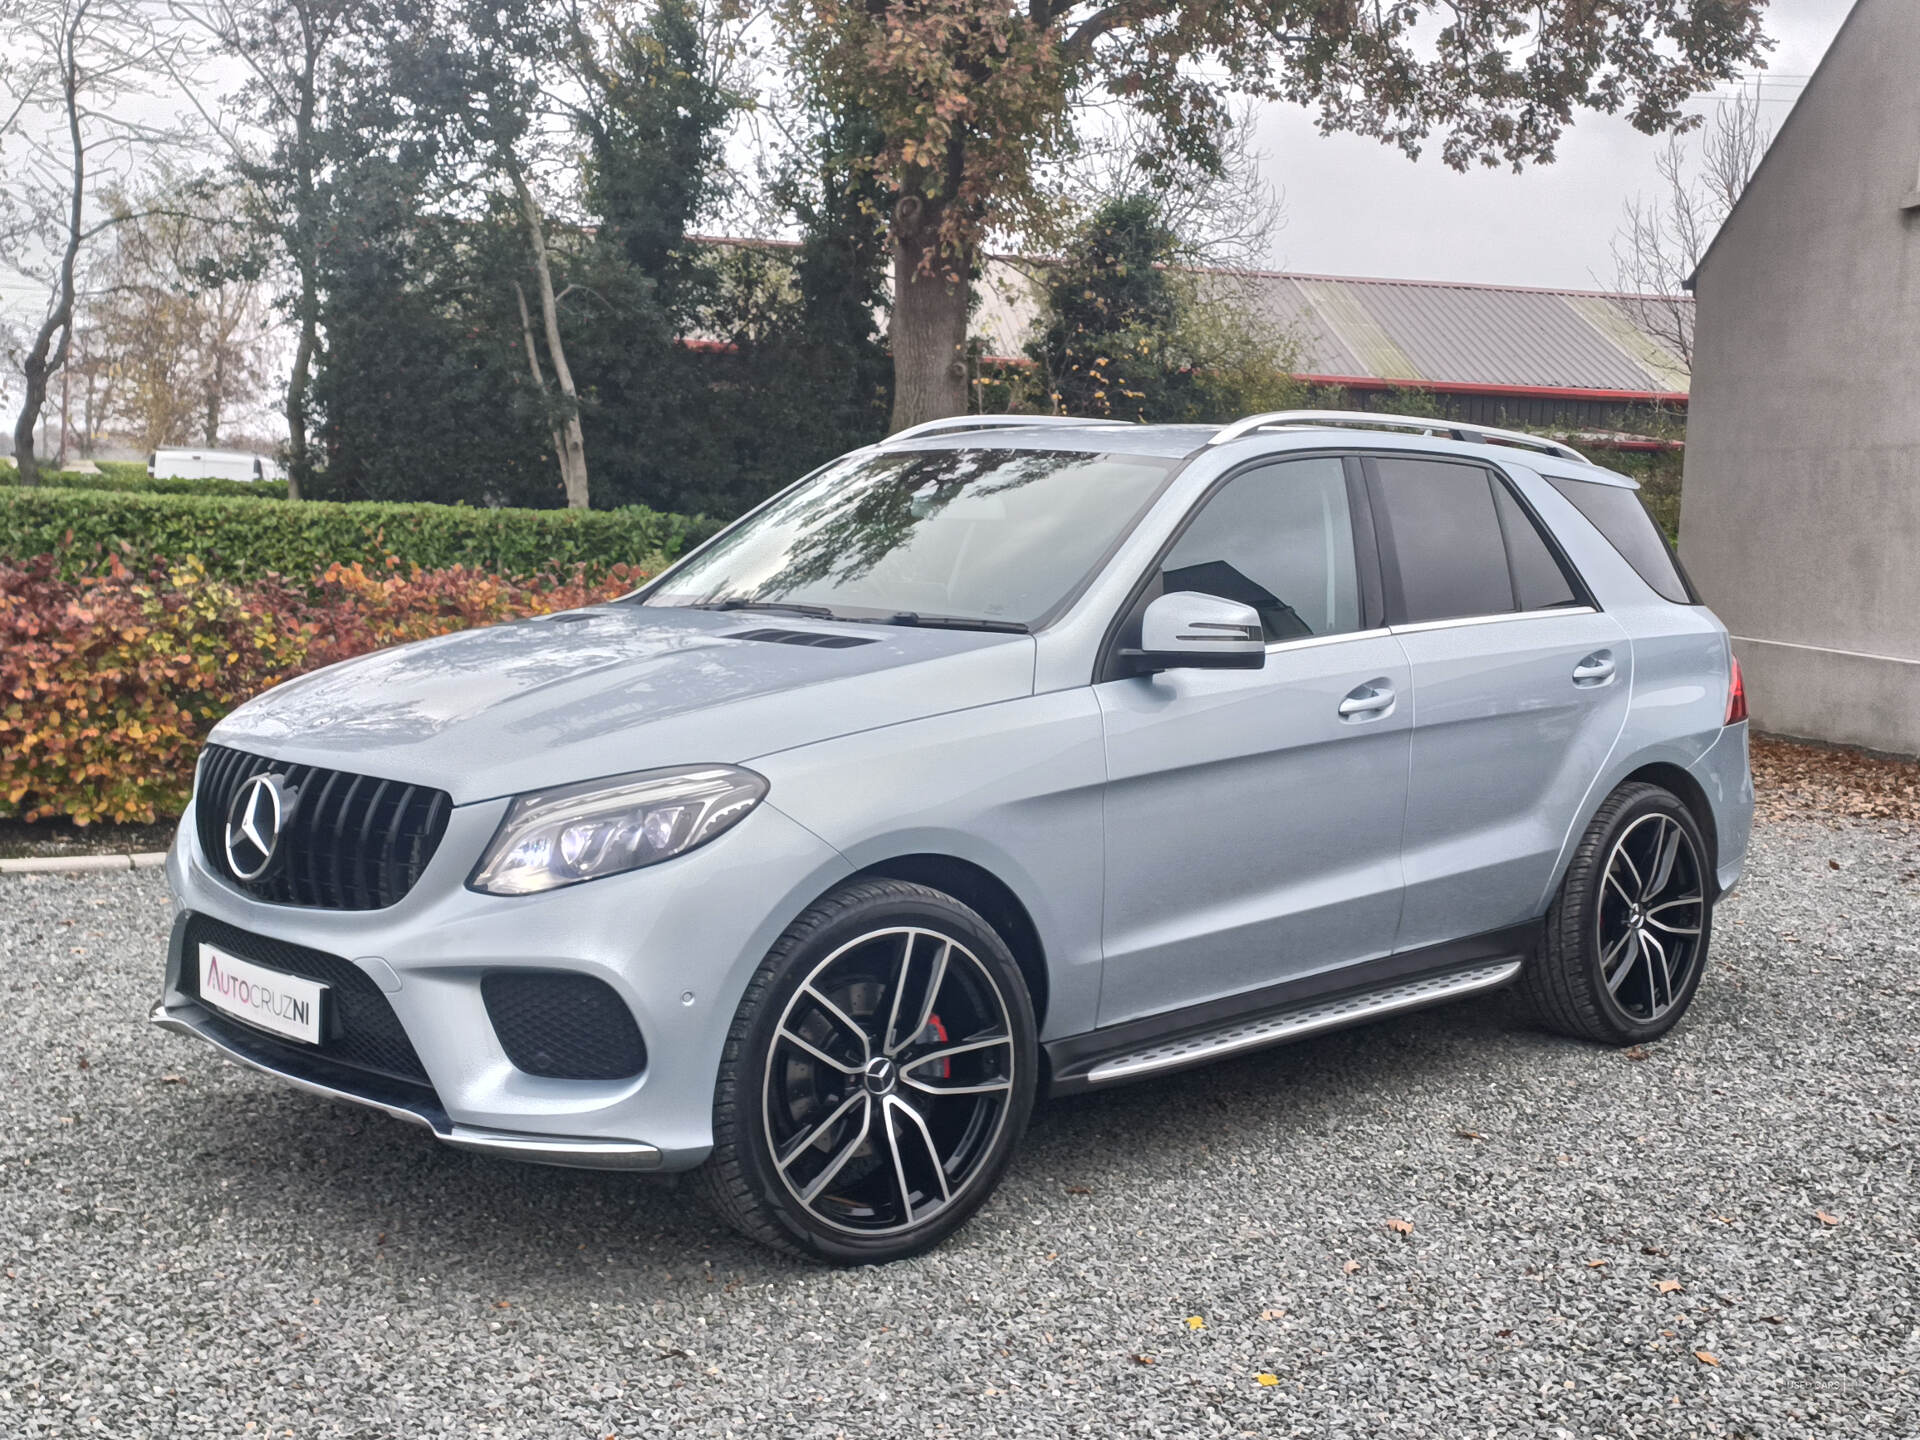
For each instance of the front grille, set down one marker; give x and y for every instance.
(562, 1025)
(351, 842)
(358, 1027)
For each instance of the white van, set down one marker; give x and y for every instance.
(210, 465)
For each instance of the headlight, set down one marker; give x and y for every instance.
(582, 832)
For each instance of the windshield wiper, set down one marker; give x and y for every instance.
(952, 622)
(818, 612)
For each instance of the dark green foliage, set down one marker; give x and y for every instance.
(708, 376)
(1111, 345)
(424, 392)
(243, 539)
(1133, 335)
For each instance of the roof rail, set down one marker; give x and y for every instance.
(991, 422)
(1425, 425)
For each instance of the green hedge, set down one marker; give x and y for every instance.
(127, 477)
(241, 539)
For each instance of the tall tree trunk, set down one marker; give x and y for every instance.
(299, 461)
(929, 325)
(216, 390)
(306, 256)
(573, 445)
(533, 363)
(52, 341)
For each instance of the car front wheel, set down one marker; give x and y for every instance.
(876, 1080)
(1626, 939)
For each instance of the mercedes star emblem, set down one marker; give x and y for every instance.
(253, 827)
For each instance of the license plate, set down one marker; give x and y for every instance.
(287, 1005)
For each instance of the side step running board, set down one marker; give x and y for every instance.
(1349, 1009)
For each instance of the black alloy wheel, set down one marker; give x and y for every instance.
(877, 1077)
(1626, 940)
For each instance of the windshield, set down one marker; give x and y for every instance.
(994, 538)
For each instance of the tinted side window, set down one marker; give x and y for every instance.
(1538, 581)
(1279, 538)
(1617, 513)
(1442, 534)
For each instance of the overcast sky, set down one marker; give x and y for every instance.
(1355, 207)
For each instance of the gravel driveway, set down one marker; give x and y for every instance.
(1720, 1236)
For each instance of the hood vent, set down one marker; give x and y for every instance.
(800, 637)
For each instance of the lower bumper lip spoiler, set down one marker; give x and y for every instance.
(581, 1154)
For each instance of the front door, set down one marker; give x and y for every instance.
(1253, 817)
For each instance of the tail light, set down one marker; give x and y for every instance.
(1736, 697)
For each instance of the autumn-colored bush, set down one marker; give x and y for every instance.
(109, 683)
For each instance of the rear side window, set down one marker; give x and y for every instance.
(1539, 583)
(1616, 512)
(1443, 536)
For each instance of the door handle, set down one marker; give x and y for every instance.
(1596, 669)
(1366, 702)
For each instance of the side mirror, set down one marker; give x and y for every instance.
(1186, 630)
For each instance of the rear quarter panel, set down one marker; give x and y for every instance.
(1681, 659)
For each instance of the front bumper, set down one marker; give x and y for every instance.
(584, 1154)
(677, 942)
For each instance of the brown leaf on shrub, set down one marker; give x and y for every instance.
(116, 677)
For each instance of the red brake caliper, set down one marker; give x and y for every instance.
(938, 1032)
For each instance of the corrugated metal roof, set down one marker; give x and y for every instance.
(1419, 331)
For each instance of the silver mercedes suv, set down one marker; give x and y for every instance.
(1007, 757)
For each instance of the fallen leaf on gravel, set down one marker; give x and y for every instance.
(1078, 1190)
(1469, 1134)
(1706, 1357)
(1271, 1314)
(503, 1304)
(1194, 1322)
(1143, 1359)
(173, 1079)
(1400, 1227)
(1667, 1287)
(1351, 1266)
(1833, 864)
(1636, 1052)
(1263, 1378)
(1595, 1264)
(1826, 1219)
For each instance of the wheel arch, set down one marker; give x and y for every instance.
(980, 890)
(1682, 785)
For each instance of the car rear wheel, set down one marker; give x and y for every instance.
(877, 1078)
(1627, 937)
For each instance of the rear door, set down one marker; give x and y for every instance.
(1520, 689)
(1253, 817)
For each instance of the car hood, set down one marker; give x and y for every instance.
(618, 687)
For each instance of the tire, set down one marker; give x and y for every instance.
(1624, 950)
(837, 1037)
